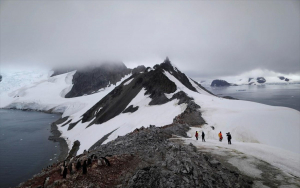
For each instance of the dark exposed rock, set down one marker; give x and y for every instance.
(147, 158)
(229, 97)
(0, 78)
(130, 109)
(261, 80)
(58, 71)
(74, 149)
(167, 66)
(138, 69)
(250, 79)
(72, 125)
(286, 79)
(155, 82)
(219, 83)
(199, 85)
(90, 79)
(281, 77)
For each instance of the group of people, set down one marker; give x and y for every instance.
(220, 136)
(203, 136)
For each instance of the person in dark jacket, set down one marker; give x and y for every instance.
(203, 137)
(84, 167)
(196, 135)
(228, 137)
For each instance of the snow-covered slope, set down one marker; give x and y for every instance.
(91, 117)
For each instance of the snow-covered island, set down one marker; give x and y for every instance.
(128, 100)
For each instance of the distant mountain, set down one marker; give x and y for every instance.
(249, 81)
(219, 83)
(100, 103)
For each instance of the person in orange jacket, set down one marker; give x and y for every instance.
(220, 136)
(196, 135)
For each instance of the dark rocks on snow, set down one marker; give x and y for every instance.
(138, 69)
(261, 80)
(229, 97)
(286, 79)
(131, 109)
(155, 82)
(219, 83)
(281, 77)
(199, 85)
(93, 78)
(0, 78)
(250, 79)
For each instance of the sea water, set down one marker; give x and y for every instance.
(275, 95)
(24, 145)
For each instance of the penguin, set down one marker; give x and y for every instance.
(99, 162)
(65, 172)
(89, 161)
(46, 181)
(70, 168)
(73, 168)
(84, 169)
(78, 165)
(106, 161)
(62, 168)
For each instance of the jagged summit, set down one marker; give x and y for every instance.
(155, 83)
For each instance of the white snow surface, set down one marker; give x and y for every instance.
(247, 121)
(287, 161)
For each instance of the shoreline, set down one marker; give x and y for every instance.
(63, 146)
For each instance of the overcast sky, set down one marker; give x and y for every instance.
(202, 38)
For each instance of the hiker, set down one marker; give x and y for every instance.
(203, 137)
(220, 136)
(196, 135)
(228, 137)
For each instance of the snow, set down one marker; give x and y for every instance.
(265, 132)
(248, 121)
(125, 122)
(128, 82)
(287, 161)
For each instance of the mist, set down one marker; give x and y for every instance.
(202, 38)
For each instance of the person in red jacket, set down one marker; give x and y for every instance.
(220, 136)
(196, 135)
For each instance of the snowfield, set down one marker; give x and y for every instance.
(269, 133)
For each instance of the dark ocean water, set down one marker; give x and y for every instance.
(24, 145)
(275, 95)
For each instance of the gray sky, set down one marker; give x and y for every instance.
(202, 38)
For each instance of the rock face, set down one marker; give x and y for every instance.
(261, 80)
(155, 82)
(219, 83)
(0, 78)
(281, 77)
(147, 158)
(93, 78)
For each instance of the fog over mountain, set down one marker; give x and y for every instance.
(203, 38)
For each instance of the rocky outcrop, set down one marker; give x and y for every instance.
(90, 79)
(219, 83)
(261, 80)
(138, 69)
(0, 78)
(146, 158)
(155, 82)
